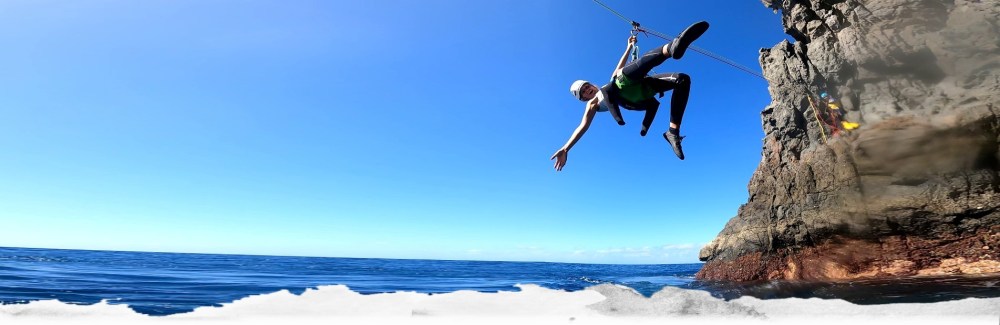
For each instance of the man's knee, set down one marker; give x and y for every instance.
(683, 79)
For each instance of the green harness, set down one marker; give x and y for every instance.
(634, 91)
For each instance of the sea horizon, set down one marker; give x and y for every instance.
(336, 257)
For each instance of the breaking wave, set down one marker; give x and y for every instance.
(600, 304)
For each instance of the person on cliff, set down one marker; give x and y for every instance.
(632, 88)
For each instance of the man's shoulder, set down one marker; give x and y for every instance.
(601, 100)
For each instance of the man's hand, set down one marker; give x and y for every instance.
(631, 40)
(560, 157)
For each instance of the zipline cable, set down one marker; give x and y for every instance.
(704, 52)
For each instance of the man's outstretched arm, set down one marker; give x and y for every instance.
(588, 116)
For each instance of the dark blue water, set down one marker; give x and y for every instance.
(169, 283)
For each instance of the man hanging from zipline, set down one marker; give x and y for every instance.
(632, 88)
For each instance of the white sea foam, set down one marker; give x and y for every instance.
(602, 304)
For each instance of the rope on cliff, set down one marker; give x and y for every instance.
(704, 52)
(822, 130)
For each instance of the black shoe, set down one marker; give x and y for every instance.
(680, 44)
(675, 142)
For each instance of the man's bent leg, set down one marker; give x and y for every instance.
(680, 83)
(638, 69)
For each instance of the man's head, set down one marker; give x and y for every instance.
(583, 90)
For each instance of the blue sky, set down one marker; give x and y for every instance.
(376, 128)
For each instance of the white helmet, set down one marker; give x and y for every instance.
(576, 87)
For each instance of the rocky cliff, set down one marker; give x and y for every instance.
(915, 188)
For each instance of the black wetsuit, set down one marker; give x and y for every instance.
(622, 91)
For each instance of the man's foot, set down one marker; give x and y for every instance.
(675, 141)
(680, 44)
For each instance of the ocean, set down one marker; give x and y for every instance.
(170, 283)
(164, 284)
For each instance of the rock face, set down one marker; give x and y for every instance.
(915, 190)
